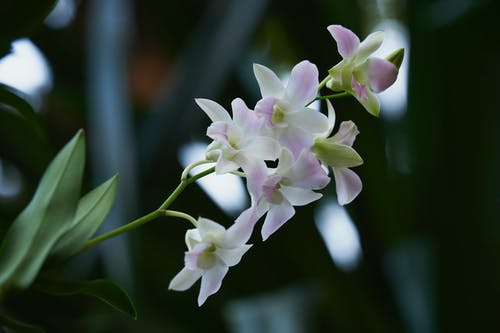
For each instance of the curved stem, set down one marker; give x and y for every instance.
(161, 211)
(323, 83)
(181, 215)
(185, 173)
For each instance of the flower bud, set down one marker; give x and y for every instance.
(396, 57)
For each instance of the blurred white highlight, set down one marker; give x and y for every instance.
(27, 70)
(227, 191)
(10, 180)
(393, 100)
(340, 235)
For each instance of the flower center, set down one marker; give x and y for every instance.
(206, 260)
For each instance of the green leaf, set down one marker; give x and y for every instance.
(104, 290)
(335, 154)
(34, 232)
(14, 325)
(91, 212)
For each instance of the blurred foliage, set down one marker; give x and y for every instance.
(442, 210)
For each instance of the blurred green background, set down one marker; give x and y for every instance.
(127, 72)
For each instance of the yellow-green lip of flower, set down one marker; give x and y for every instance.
(335, 154)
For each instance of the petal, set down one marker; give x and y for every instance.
(191, 258)
(276, 217)
(265, 108)
(192, 238)
(243, 117)
(299, 196)
(185, 279)
(225, 165)
(213, 110)
(371, 43)
(348, 185)
(306, 172)
(265, 148)
(347, 41)
(240, 232)
(331, 119)
(303, 84)
(211, 282)
(269, 83)
(335, 154)
(346, 134)
(296, 139)
(209, 227)
(370, 103)
(381, 73)
(286, 161)
(219, 131)
(256, 172)
(231, 257)
(310, 120)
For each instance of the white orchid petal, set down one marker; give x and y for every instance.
(299, 196)
(269, 83)
(213, 110)
(211, 282)
(240, 232)
(185, 279)
(348, 185)
(303, 83)
(371, 43)
(231, 257)
(265, 148)
(310, 120)
(225, 165)
(296, 139)
(331, 119)
(276, 217)
(347, 41)
(209, 227)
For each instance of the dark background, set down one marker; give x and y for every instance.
(127, 72)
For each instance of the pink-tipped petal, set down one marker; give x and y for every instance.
(240, 232)
(303, 83)
(347, 41)
(381, 73)
(307, 172)
(348, 185)
(219, 131)
(276, 217)
(371, 43)
(185, 279)
(213, 110)
(211, 282)
(269, 83)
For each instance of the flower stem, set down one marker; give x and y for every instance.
(323, 83)
(161, 211)
(181, 215)
(332, 96)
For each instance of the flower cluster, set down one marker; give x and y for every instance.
(283, 131)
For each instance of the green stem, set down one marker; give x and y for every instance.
(337, 95)
(185, 173)
(161, 211)
(181, 215)
(323, 83)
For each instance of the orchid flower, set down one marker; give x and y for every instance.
(284, 107)
(211, 251)
(356, 73)
(238, 142)
(337, 152)
(290, 184)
